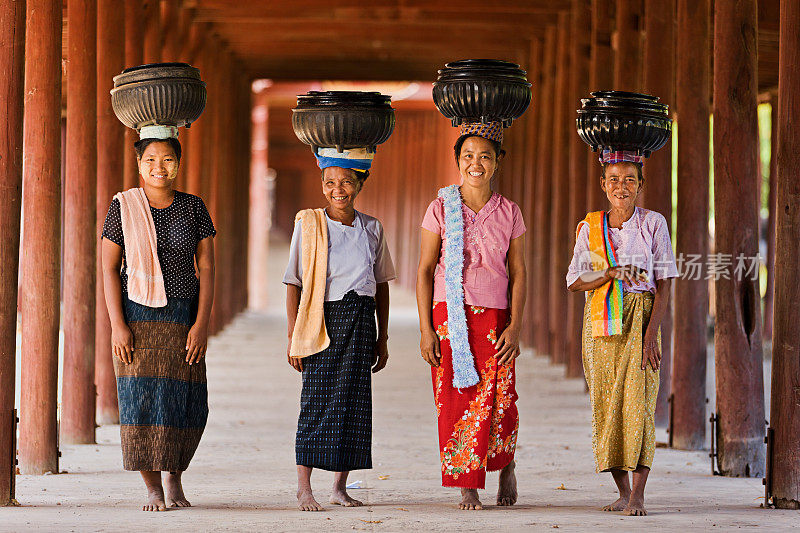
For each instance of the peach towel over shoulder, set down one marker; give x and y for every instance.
(309, 335)
(145, 278)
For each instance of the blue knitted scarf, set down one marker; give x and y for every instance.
(464, 374)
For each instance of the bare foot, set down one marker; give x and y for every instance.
(635, 507)
(469, 500)
(618, 505)
(340, 497)
(306, 501)
(174, 489)
(155, 500)
(507, 489)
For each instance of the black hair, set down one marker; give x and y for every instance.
(498, 150)
(361, 175)
(141, 145)
(639, 170)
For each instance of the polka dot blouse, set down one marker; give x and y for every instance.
(179, 227)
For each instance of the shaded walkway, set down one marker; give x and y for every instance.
(243, 475)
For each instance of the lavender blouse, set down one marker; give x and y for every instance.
(642, 241)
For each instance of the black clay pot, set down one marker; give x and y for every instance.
(620, 120)
(482, 90)
(168, 94)
(343, 119)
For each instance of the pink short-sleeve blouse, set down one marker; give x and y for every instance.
(487, 235)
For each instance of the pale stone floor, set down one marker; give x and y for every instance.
(243, 475)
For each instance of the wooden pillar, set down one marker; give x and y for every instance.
(12, 63)
(541, 267)
(152, 32)
(529, 191)
(259, 213)
(110, 149)
(134, 33)
(78, 395)
(785, 407)
(737, 335)
(41, 238)
(659, 77)
(628, 39)
(769, 296)
(170, 21)
(195, 155)
(580, 50)
(601, 77)
(691, 234)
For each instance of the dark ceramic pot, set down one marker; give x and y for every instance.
(620, 120)
(343, 119)
(482, 90)
(169, 94)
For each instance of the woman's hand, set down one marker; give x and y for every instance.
(429, 347)
(507, 345)
(650, 351)
(122, 343)
(381, 354)
(196, 343)
(294, 362)
(629, 274)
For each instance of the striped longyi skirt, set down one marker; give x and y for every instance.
(163, 401)
(334, 430)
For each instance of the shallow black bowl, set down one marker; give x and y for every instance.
(620, 120)
(482, 90)
(170, 94)
(343, 119)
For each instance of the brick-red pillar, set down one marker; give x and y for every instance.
(195, 154)
(628, 39)
(601, 78)
(80, 220)
(41, 240)
(541, 267)
(170, 19)
(559, 208)
(785, 408)
(259, 205)
(12, 63)
(134, 34)
(691, 234)
(152, 32)
(737, 335)
(769, 296)
(580, 50)
(659, 79)
(110, 159)
(529, 191)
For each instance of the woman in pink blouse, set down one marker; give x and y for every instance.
(623, 258)
(470, 312)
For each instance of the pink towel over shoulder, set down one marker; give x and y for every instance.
(145, 279)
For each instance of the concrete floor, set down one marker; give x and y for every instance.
(243, 475)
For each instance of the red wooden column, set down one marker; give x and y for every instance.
(259, 205)
(601, 77)
(737, 335)
(580, 50)
(785, 411)
(534, 68)
(39, 305)
(80, 220)
(769, 296)
(691, 234)
(171, 22)
(659, 77)
(12, 63)
(152, 34)
(110, 159)
(559, 209)
(541, 267)
(628, 39)
(134, 35)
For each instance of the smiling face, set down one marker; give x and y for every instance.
(477, 162)
(621, 185)
(340, 187)
(158, 165)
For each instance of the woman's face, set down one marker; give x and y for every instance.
(158, 165)
(621, 185)
(340, 187)
(477, 162)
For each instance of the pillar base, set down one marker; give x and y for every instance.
(107, 417)
(742, 457)
(785, 503)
